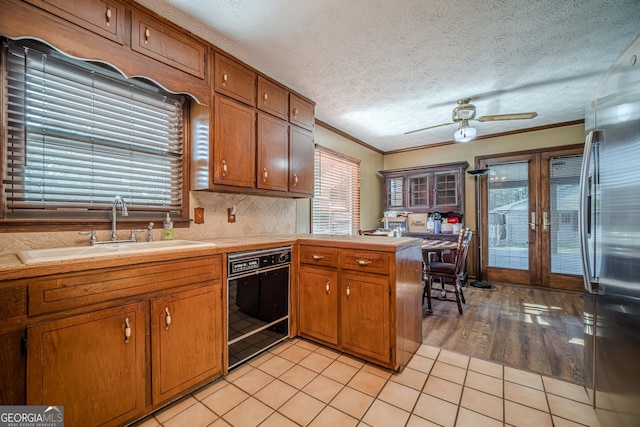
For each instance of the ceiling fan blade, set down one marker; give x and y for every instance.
(514, 116)
(430, 127)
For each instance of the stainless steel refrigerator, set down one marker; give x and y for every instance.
(609, 224)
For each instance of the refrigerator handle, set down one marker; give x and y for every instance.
(590, 280)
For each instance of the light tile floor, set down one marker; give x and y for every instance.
(299, 383)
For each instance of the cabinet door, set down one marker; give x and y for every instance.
(318, 293)
(87, 364)
(301, 112)
(234, 80)
(364, 315)
(186, 340)
(394, 193)
(156, 40)
(273, 153)
(301, 178)
(103, 17)
(420, 188)
(234, 143)
(446, 190)
(272, 98)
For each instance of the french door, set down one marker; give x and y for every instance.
(530, 219)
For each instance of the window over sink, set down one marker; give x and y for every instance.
(78, 133)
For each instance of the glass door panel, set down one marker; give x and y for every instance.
(562, 219)
(395, 192)
(446, 189)
(419, 191)
(508, 232)
(560, 245)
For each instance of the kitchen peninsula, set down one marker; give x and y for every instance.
(154, 323)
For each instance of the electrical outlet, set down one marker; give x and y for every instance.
(231, 214)
(198, 215)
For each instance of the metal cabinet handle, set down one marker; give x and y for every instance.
(265, 175)
(127, 330)
(327, 287)
(363, 262)
(225, 78)
(317, 257)
(533, 221)
(108, 16)
(224, 168)
(295, 112)
(147, 34)
(349, 290)
(264, 98)
(295, 179)
(167, 319)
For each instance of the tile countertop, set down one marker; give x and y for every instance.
(12, 268)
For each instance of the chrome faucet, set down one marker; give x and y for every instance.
(118, 200)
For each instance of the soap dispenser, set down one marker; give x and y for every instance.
(167, 228)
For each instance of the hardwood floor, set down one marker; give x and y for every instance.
(529, 328)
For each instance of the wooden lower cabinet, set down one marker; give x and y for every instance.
(186, 340)
(318, 294)
(364, 315)
(365, 302)
(92, 364)
(116, 343)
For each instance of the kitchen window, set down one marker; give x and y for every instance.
(77, 134)
(336, 199)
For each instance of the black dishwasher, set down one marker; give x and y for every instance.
(258, 296)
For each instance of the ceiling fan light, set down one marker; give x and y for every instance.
(464, 133)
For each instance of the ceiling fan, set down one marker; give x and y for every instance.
(465, 112)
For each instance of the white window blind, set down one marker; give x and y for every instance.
(336, 199)
(77, 135)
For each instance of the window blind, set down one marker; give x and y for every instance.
(77, 135)
(336, 199)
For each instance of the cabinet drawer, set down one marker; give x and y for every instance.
(301, 112)
(234, 80)
(105, 18)
(167, 45)
(365, 261)
(272, 98)
(73, 290)
(317, 255)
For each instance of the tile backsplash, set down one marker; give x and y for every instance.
(254, 215)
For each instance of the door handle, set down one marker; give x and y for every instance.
(327, 287)
(545, 221)
(532, 224)
(167, 318)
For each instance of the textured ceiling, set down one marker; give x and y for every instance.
(378, 68)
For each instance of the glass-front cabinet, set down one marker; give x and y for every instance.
(424, 189)
(394, 193)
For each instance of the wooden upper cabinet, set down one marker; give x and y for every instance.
(234, 80)
(272, 98)
(161, 42)
(234, 141)
(301, 112)
(272, 168)
(434, 188)
(301, 152)
(105, 18)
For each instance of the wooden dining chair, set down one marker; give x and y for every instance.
(449, 273)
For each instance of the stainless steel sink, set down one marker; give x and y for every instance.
(77, 252)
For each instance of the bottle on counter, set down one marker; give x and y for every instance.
(167, 228)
